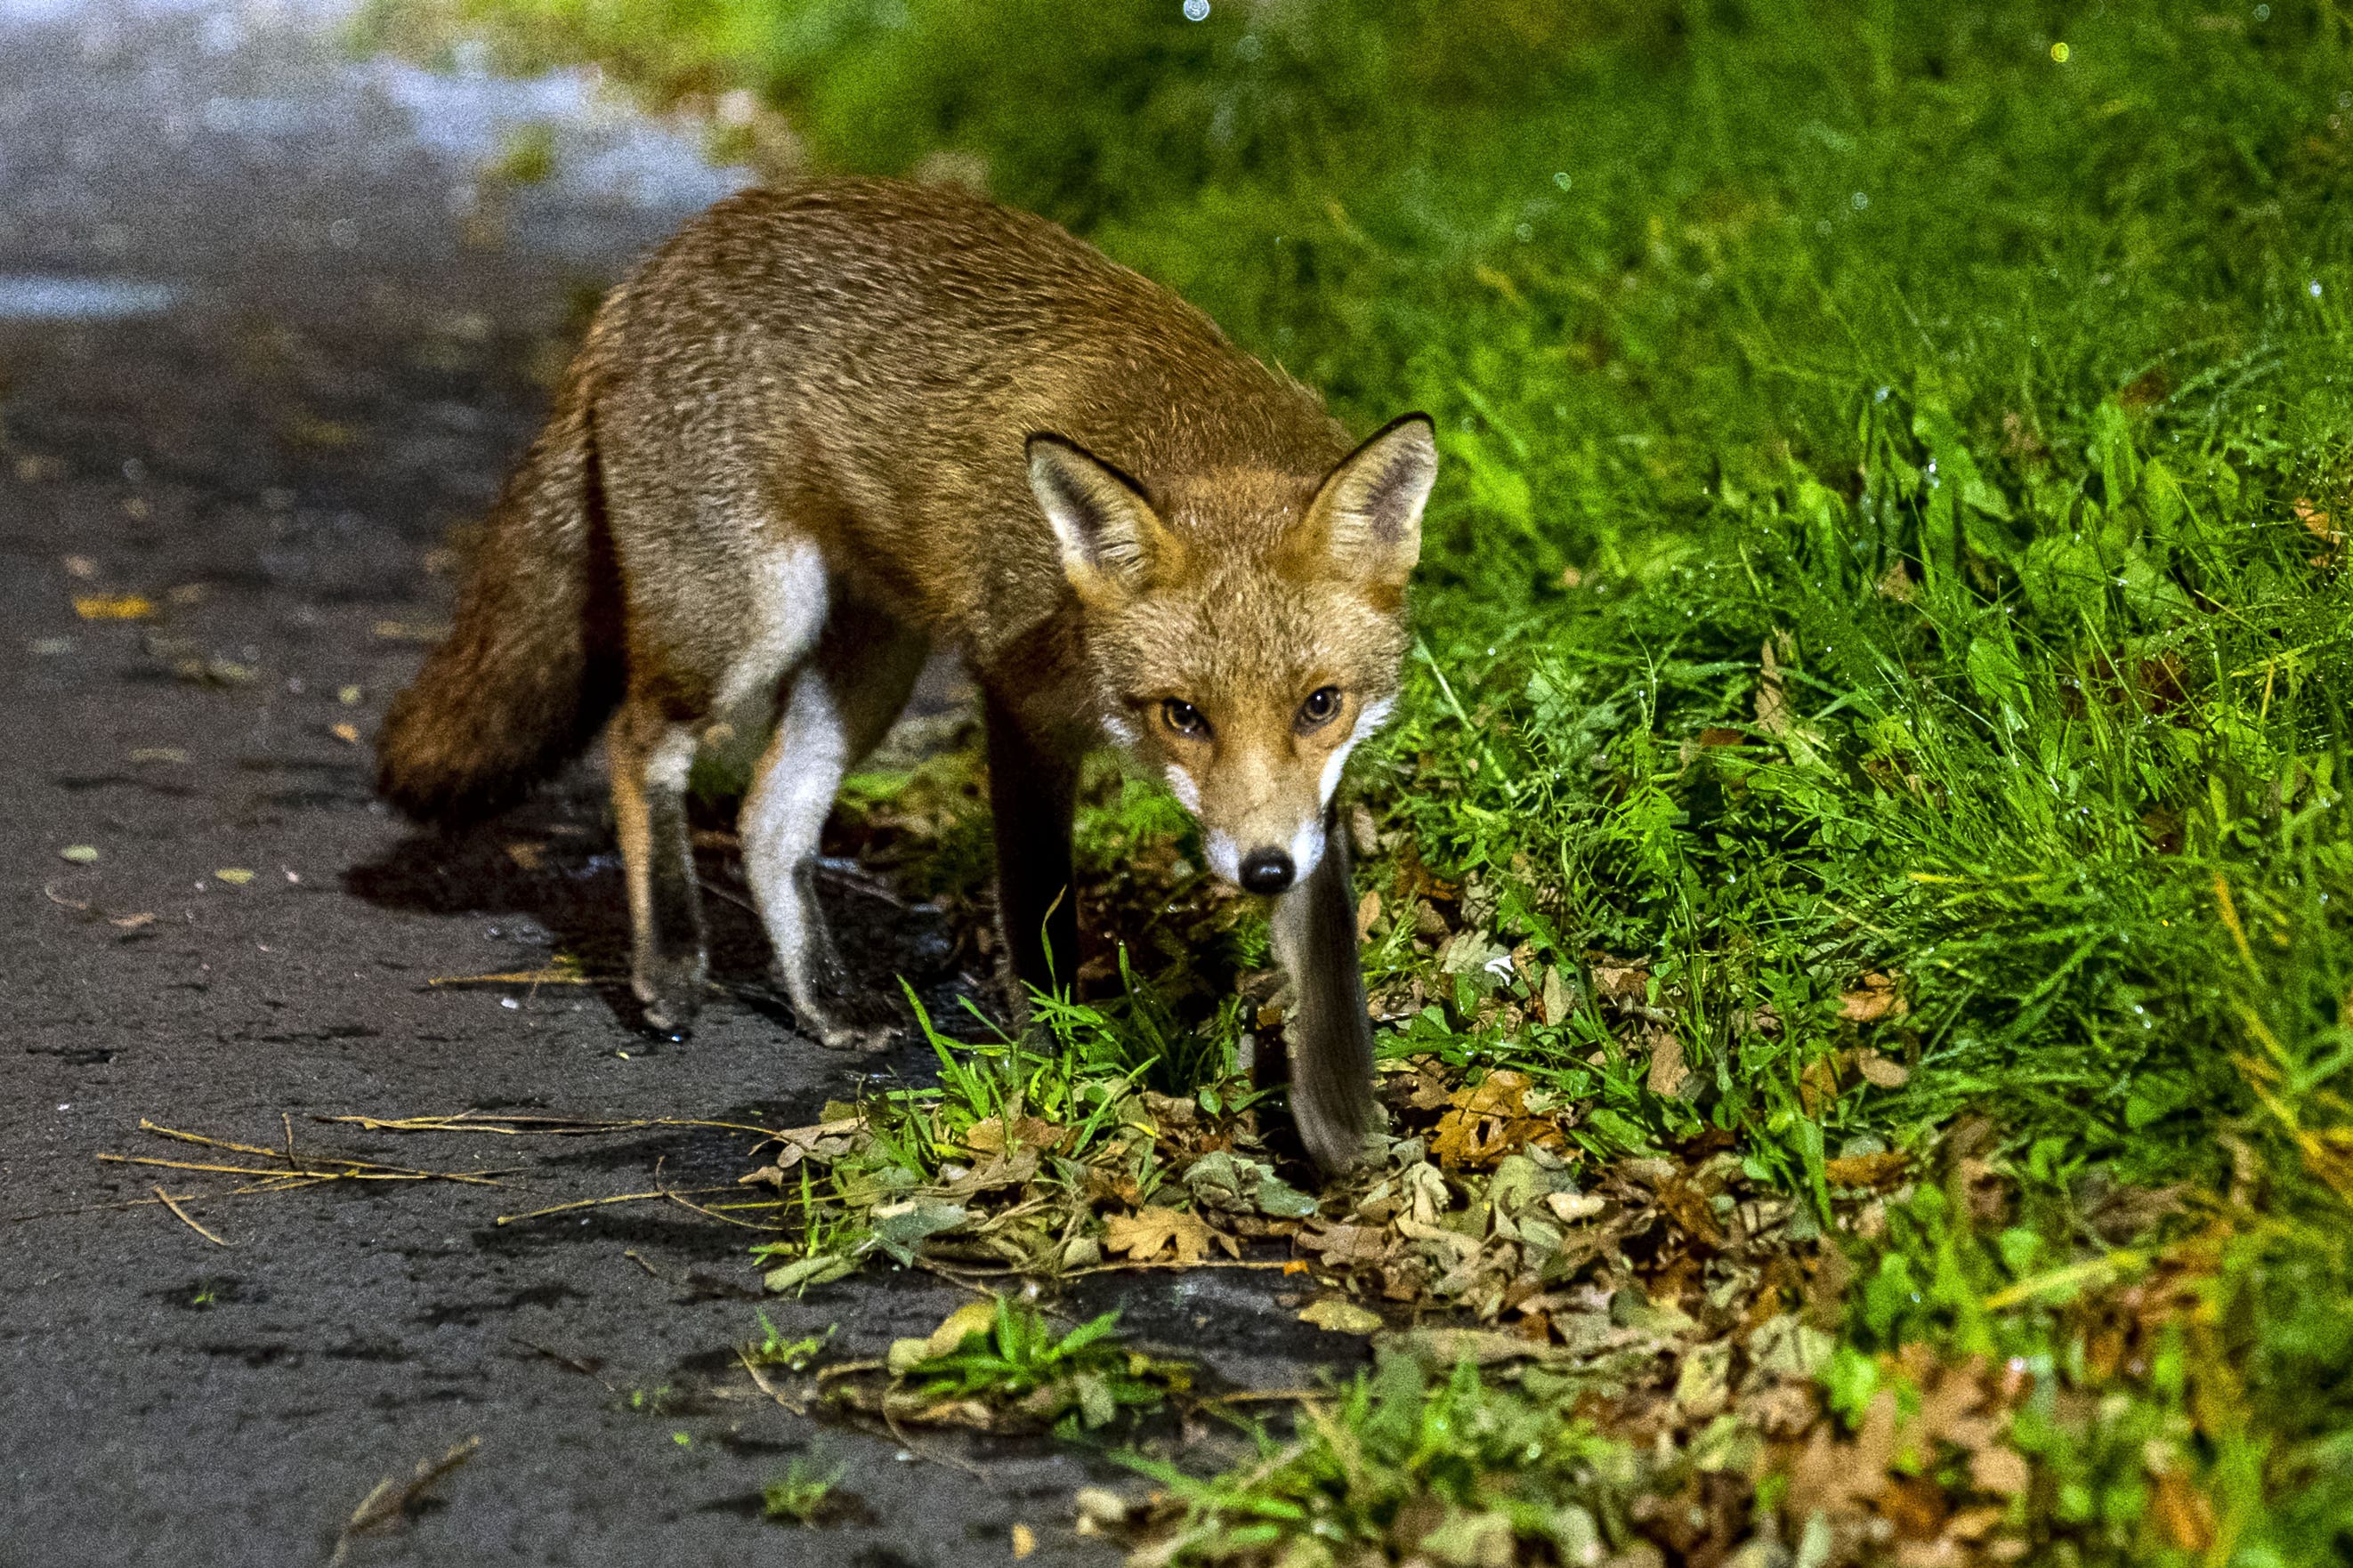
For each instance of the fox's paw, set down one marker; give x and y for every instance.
(860, 1039)
(671, 990)
(842, 1018)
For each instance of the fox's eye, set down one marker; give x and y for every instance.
(1320, 704)
(1184, 717)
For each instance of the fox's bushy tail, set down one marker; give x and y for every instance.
(532, 666)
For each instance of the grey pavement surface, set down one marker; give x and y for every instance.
(265, 336)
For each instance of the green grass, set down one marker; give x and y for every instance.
(1998, 388)
(1452, 1467)
(1084, 1378)
(1069, 1105)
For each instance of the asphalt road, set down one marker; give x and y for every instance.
(265, 335)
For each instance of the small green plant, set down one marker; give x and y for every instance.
(802, 1495)
(649, 1401)
(772, 1349)
(1080, 1061)
(1021, 1360)
(1001, 1361)
(1141, 1037)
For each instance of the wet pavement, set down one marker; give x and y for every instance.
(266, 333)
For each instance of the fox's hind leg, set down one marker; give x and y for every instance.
(649, 754)
(838, 705)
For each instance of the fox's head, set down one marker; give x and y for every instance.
(1245, 627)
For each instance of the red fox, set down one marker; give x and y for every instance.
(825, 429)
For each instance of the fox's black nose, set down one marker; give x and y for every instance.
(1267, 871)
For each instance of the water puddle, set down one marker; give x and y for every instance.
(56, 296)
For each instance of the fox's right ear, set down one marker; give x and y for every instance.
(1112, 539)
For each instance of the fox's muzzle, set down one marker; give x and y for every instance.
(1267, 873)
(1270, 867)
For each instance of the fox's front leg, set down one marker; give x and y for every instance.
(1033, 791)
(650, 756)
(1329, 1038)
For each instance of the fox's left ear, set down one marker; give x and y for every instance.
(1113, 542)
(1368, 513)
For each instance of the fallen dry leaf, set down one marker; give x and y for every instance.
(1874, 999)
(1554, 998)
(1503, 1092)
(1867, 1170)
(1341, 1245)
(797, 1144)
(1914, 1505)
(1465, 1141)
(1142, 1236)
(1880, 1072)
(1341, 1317)
(1668, 1074)
(235, 876)
(1622, 983)
(348, 735)
(2001, 1471)
(1484, 1347)
(2183, 1513)
(1488, 1121)
(1834, 1477)
(1024, 1540)
(1772, 702)
(1574, 1207)
(992, 1136)
(1819, 1084)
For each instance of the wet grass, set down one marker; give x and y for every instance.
(1882, 632)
